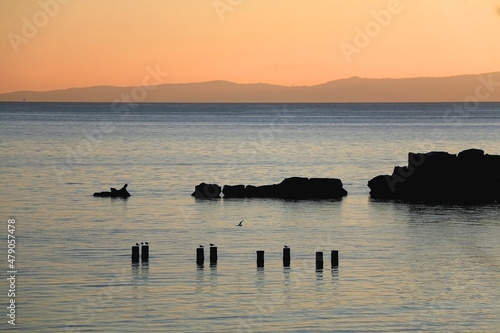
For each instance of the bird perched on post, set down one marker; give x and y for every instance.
(212, 244)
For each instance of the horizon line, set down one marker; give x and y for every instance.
(252, 83)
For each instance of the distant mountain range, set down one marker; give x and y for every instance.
(463, 88)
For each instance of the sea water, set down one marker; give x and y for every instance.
(402, 267)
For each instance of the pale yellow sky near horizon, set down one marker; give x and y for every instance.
(58, 44)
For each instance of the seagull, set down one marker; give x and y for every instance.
(286, 246)
(136, 244)
(201, 245)
(147, 243)
(240, 224)
(211, 244)
(142, 243)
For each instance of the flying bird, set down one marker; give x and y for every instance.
(240, 224)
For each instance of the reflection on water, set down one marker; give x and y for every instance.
(408, 267)
(401, 267)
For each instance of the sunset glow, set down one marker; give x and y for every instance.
(57, 44)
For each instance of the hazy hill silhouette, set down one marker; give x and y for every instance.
(482, 87)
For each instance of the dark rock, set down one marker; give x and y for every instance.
(471, 177)
(326, 188)
(295, 188)
(382, 187)
(263, 191)
(114, 193)
(234, 191)
(491, 163)
(206, 191)
(471, 154)
(250, 192)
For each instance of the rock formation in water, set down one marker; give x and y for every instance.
(207, 191)
(295, 188)
(471, 177)
(114, 193)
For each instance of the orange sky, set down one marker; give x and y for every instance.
(56, 44)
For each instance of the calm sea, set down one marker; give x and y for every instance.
(403, 268)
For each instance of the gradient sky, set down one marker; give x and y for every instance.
(56, 44)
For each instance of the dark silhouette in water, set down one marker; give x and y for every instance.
(206, 191)
(295, 188)
(114, 193)
(471, 177)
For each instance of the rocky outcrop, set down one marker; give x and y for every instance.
(234, 191)
(471, 177)
(295, 188)
(206, 191)
(114, 193)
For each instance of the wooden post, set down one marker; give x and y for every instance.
(200, 256)
(260, 258)
(135, 253)
(335, 258)
(286, 257)
(145, 253)
(319, 260)
(213, 255)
